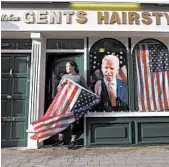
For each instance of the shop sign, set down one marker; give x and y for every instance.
(103, 17)
(88, 17)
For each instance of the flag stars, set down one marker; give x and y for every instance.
(159, 54)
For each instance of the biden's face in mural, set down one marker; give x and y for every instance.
(110, 67)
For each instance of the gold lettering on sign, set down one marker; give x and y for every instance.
(55, 17)
(42, 17)
(68, 16)
(158, 18)
(134, 17)
(146, 18)
(81, 17)
(29, 17)
(103, 17)
(124, 18)
(115, 18)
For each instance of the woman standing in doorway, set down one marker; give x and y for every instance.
(72, 74)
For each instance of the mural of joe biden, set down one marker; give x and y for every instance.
(112, 91)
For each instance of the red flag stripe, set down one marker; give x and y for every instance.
(166, 95)
(55, 108)
(122, 73)
(50, 120)
(140, 84)
(166, 100)
(146, 78)
(153, 90)
(138, 103)
(55, 101)
(52, 130)
(68, 104)
(159, 89)
(57, 123)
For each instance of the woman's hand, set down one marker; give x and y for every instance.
(64, 81)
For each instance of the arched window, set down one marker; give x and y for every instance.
(104, 47)
(98, 51)
(151, 75)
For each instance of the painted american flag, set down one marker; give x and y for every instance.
(152, 77)
(70, 103)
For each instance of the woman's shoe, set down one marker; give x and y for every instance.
(72, 145)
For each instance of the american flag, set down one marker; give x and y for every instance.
(70, 103)
(152, 72)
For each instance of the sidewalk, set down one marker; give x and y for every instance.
(154, 156)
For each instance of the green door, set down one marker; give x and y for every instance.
(15, 69)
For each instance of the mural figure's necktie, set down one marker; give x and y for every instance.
(112, 94)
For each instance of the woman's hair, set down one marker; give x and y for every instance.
(73, 63)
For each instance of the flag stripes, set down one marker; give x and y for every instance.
(59, 115)
(152, 88)
(69, 104)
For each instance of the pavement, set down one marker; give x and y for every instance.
(147, 156)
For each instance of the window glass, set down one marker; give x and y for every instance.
(65, 44)
(151, 74)
(16, 44)
(108, 74)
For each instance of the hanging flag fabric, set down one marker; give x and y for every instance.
(70, 103)
(152, 73)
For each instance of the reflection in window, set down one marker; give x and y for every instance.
(108, 74)
(152, 76)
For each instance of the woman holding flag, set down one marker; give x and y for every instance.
(67, 108)
(72, 74)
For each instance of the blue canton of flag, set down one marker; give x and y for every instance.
(85, 101)
(159, 58)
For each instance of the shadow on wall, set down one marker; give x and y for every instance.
(8, 26)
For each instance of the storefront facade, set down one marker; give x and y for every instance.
(36, 43)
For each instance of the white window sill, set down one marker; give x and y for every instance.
(127, 114)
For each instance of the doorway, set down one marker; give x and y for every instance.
(55, 69)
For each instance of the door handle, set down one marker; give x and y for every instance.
(11, 119)
(9, 97)
(8, 119)
(11, 72)
(4, 119)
